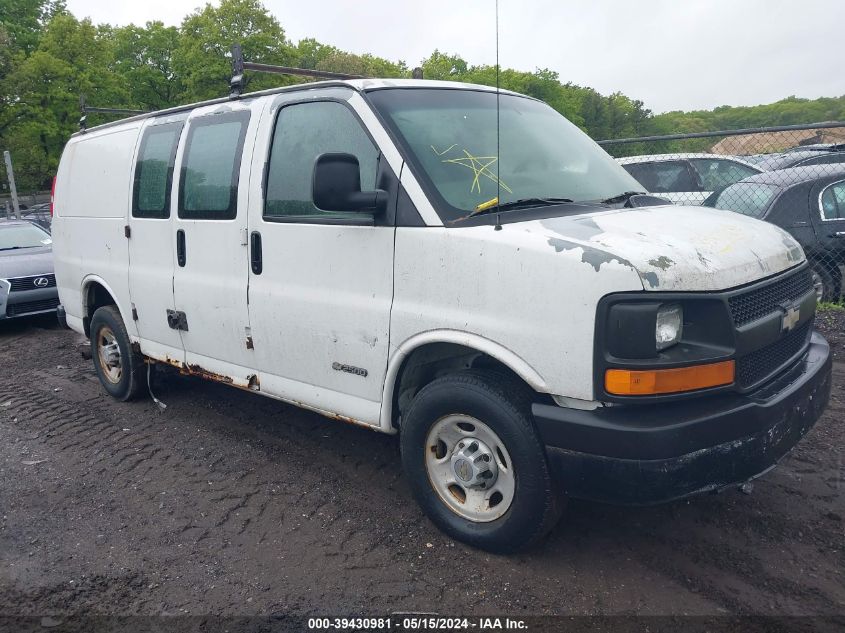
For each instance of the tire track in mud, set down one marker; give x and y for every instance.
(248, 505)
(228, 496)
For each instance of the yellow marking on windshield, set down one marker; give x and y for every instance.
(480, 166)
(445, 151)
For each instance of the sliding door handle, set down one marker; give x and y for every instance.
(181, 256)
(255, 258)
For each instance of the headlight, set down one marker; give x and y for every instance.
(669, 325)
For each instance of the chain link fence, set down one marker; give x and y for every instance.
(33, 205)
(792, 176)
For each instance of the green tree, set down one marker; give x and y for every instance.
(23, 20)
(444, 67)
(143, 58)
(44, 95)
(203, 55)
(309, 53)
(364, 65)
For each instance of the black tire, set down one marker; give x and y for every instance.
(829, 279)
(131, 382)
(505, 407)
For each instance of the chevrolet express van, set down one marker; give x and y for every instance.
(505, 302)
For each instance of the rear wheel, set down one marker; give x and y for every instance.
(119, 367)
(827, 282)
(475, 462)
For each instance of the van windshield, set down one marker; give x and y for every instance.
(449, 136)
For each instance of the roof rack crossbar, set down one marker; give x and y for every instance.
(113, 110)
(86, 109)
(236, 84)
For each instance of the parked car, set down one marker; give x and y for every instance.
(809, 202)
(529, 331)
(818, 147)
(686, 178)
(27, 282)
(798, 157)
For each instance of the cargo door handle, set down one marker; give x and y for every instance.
(180, 248)
(255, 259)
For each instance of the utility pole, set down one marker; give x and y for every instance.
(12, 189)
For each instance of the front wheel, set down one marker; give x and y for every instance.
(475, 462)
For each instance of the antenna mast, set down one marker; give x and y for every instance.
(498, 226)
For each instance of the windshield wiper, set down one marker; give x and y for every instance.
(622, 197)
(522, 203)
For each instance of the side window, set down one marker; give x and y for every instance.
(211, 164)
(833, 202)
(748, 198)
(718, 173)
(824, 159)
(154, 171)
(303, 132)
(663, 177)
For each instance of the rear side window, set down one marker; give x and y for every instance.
(154, 171)
(663, 177)
(718, 173)
(211, 164)
(303, 132)
(824, 159)
(833, 202)
(748, 198)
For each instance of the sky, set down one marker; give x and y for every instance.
(670, 54)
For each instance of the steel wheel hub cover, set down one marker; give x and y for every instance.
(473, 464)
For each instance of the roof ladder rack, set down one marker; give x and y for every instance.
(86, 109)
(236, 83)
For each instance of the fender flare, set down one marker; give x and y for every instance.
(86, 282)
(502, 354)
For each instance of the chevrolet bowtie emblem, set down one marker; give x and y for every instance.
(790, 318)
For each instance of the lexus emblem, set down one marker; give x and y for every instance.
(791, 318)
(40, 282)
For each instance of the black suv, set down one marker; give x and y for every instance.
(809, 202)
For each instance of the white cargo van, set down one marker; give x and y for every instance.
(374, 251)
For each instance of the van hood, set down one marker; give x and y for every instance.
(675, 248)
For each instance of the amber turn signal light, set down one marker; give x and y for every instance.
(629, 382)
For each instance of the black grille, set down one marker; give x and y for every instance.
(759, 365)
(757, 303)
(28, 307)
(28, 283)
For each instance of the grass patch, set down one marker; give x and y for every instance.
(829, 306)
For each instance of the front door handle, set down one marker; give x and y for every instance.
(839, 234)
(255, 259)
(180, 248)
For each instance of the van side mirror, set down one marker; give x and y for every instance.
(336, 186)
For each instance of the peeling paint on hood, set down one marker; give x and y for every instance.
(676, 248)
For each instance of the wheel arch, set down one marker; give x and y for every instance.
(443, 351)
(96, 292)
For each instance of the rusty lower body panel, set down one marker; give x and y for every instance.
(657, 453)
(251, 382)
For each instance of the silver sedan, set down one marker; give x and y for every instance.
(27, 282)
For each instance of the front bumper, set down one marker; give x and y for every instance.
(28, 302)
(648, 454)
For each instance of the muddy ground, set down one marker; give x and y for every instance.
(229, 503)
